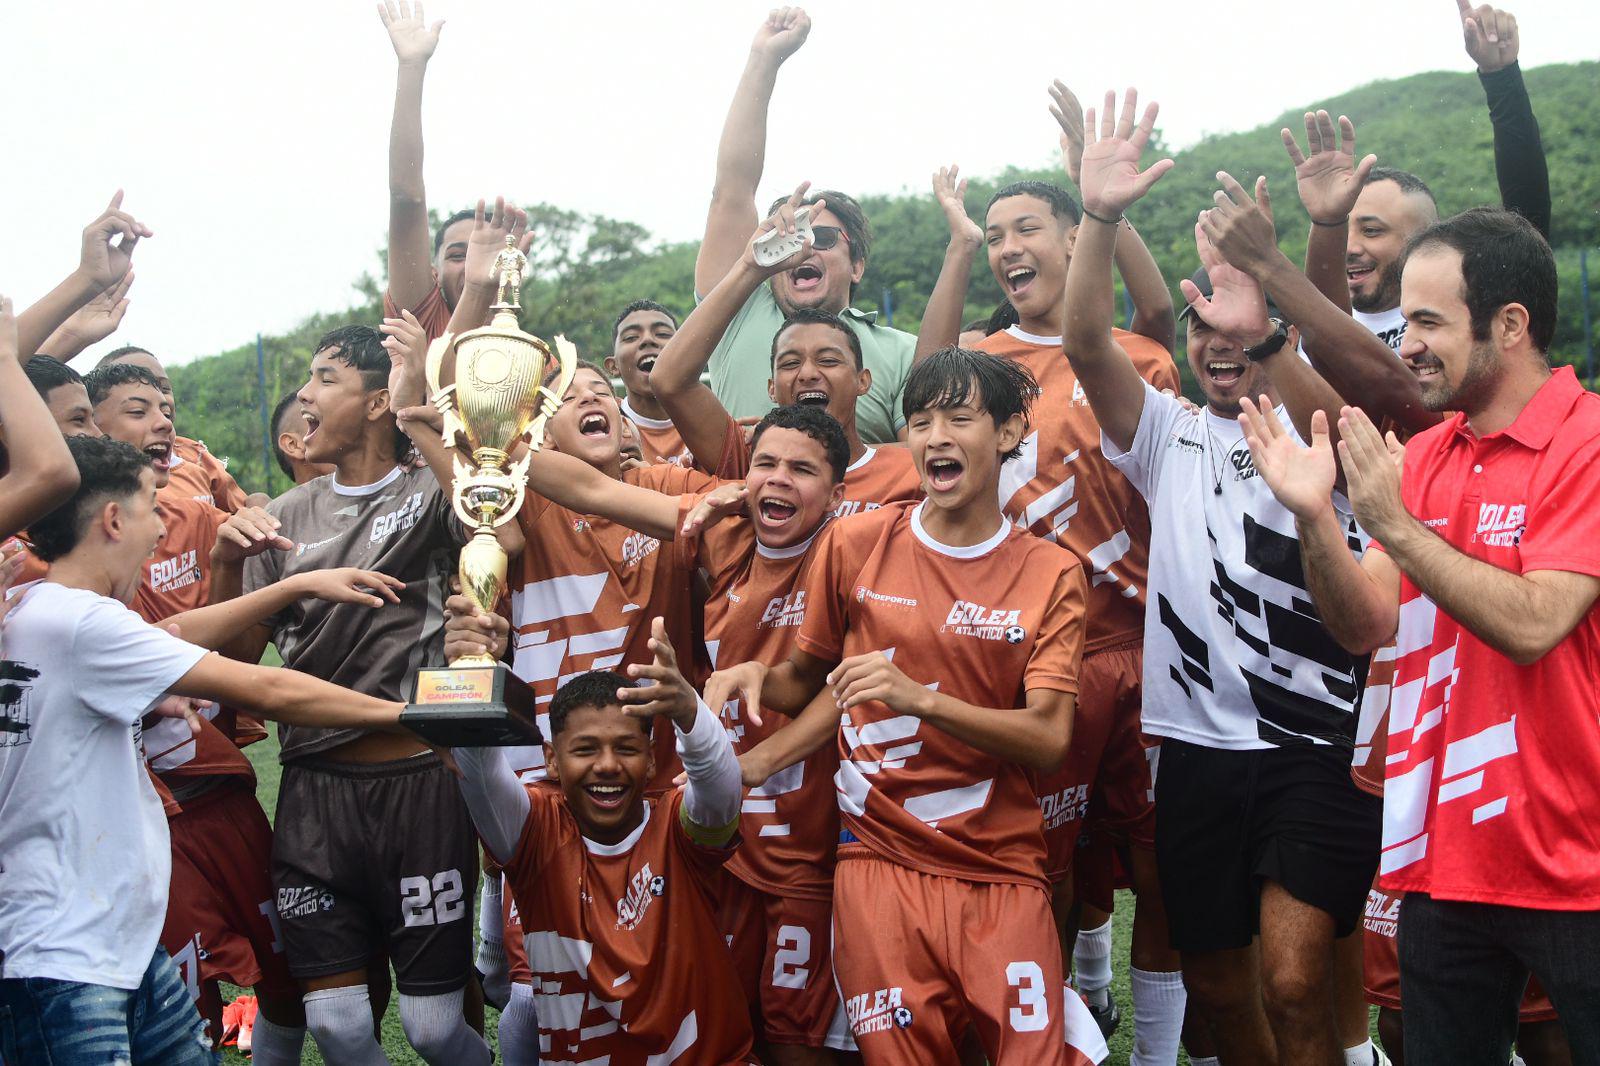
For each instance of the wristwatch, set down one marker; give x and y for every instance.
(1274, 342)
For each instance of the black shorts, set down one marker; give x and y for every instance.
(368, 858)
(1228, 820)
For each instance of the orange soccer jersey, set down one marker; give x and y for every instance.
(753, 612)
(660, 439)
(199, 475)
(177, 578)
(984, 624)
(622, 942)
(582, 596)
(884, 474)
(432, 314)
(1063, 488)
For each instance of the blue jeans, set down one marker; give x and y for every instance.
(1463, 969)
(44, 1022)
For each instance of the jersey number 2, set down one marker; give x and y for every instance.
(432, 902)
(789, 963)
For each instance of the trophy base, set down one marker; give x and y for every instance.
(472, 707)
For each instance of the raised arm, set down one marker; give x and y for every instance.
(90, 324)
(712, 796)
(1493, 41)
(104, 261)
(1110, 182)
(41, 474)
(1348, 360)
(1358, 600)
(410, 266)
(742, 151)
(1152, 303)
(1329, 180)
(941, 321)
(695, 411)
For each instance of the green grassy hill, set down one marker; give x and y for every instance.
(585, 268)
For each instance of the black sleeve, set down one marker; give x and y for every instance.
(1519, 163)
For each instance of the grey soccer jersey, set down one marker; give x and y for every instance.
(402, 526)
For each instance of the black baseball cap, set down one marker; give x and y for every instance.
(1202, 281)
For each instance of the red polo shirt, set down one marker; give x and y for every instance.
(1492, 792)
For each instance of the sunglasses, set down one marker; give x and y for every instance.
(825, 237)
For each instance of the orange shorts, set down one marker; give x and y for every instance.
(1105, 781)
(1380, 959)
(221, 916)
(783, 953)
(920, 957)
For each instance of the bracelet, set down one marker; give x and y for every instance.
(1101, 218)
(1341, 222)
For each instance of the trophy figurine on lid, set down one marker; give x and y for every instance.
(489, 386)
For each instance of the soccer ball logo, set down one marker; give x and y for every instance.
(902, 1017)
(658, 886)
(1014, 634)
(326, 901)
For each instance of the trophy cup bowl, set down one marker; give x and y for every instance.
(489, 385)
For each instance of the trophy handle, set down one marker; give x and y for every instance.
(567, 356)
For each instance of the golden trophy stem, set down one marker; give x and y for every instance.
(483, 577)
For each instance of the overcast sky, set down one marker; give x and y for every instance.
(252, 137)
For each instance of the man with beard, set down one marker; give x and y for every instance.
(823, 279)
(1485, 573)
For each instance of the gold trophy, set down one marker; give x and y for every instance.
(489, 385)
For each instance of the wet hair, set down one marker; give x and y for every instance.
(1408, 182)
(640, 305)
(977, 325)
(815, 423)
(47, 375)
(598, 689)
(815, 316)
(1062, 205)
(438, 235)
(953, 376)
(107, 470)
(1504, 260)
(123, 352)
(361, 347)
(102, 379)
(1004, 317)
(284, 463)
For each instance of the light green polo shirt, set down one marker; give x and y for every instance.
(741, 365)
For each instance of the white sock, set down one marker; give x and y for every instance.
(435, 1027)
(519, 1029)
(491, 919)
(340, 1021)
(1091, 964)
(1360, 1055)
(275, 1045)
(1158, 1000)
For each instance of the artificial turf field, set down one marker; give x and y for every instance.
(264, 756)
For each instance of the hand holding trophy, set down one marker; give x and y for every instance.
(489, 384)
